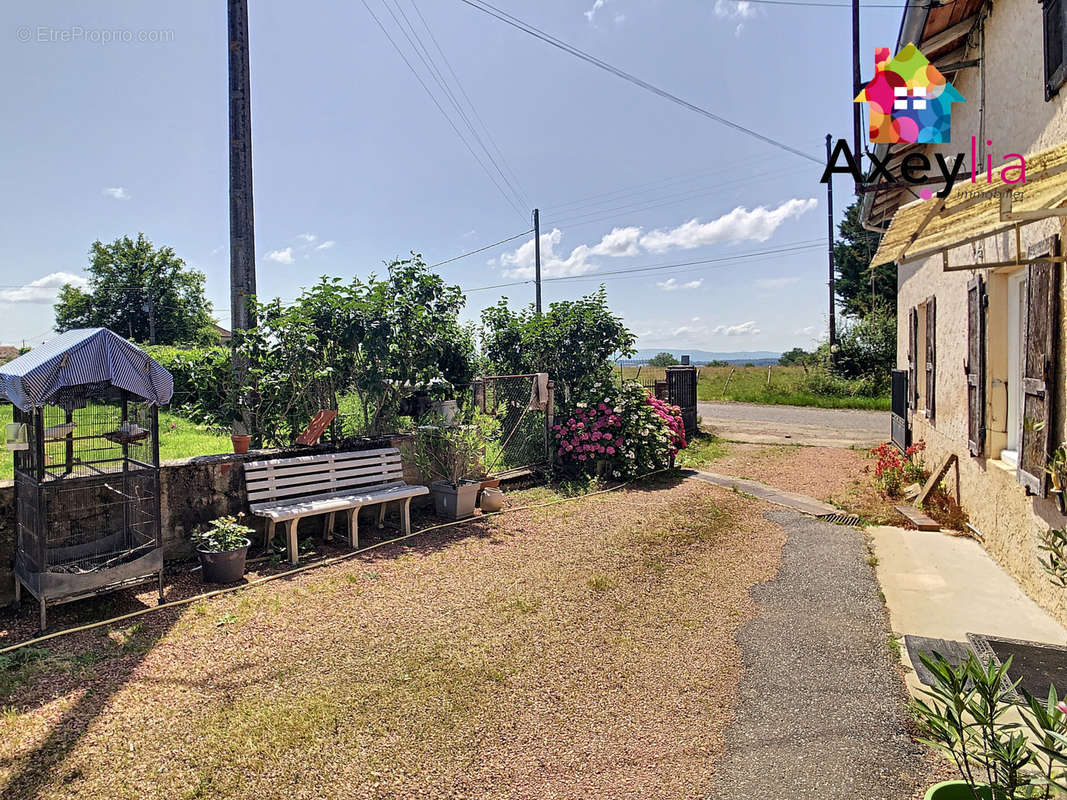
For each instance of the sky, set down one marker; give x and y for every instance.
(116, 123)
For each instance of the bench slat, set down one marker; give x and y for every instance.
(338, 502)
(321, 457)
(321, 483)
(348, 468)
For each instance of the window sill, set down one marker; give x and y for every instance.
(1003, 466)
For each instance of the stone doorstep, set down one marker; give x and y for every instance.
(797, 502)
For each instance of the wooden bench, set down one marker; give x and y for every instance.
(285, 490)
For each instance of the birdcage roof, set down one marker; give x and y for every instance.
(80, 357)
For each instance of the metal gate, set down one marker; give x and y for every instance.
(682, 392)
(522, 408)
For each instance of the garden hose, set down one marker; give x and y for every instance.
(304, 567)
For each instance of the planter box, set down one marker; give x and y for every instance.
(452, 502)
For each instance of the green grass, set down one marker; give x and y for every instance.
(701, 451)
(771, 386)
(178, 438)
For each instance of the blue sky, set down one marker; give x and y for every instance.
(354, 165)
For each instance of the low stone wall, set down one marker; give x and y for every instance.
(193, 491)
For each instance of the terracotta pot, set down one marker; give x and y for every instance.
(492, 500)
(241, 441)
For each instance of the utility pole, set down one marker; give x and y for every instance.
(242, 231)
(537, 257)
(150, 307)
(830, 251)
(856, 88)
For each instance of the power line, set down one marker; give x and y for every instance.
(481, 249)
(423, 54)
(485, 128)
(816, 4)
(439, 106)
(514, 22)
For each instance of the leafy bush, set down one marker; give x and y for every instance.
(450, 453)
(223, 535)
(203, 381)
(574, 342)
(663, 360)
(867, 347)
(626, 430)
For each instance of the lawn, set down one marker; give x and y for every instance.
(769, 385)
(584, 649)
(178, 438)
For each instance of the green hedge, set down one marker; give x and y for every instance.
(203, 377)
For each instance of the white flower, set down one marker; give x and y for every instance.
(581, 405)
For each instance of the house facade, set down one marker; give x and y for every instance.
(981, 295)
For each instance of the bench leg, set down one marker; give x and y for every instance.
(268, 537)
(405, 517)
(291, 543)
(327, 532)
(353, 528)
(381, 515)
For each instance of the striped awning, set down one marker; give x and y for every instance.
(84, 356)
(974, 211)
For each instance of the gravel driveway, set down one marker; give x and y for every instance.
(825, 427)
(821, 710)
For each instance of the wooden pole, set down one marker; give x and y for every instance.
(537, 256)
(830, 252)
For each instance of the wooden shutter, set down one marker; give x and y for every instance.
(913, 358)
(1038, 366)
(931, 357)
(1053, 14)
(975, 366)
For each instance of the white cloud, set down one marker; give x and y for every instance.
(775, 283)
(281, 256)
(743, 329)
(809, 330)
(520, 263)
(738, 225)
(737, 31)
(307, 237)
(734, 9)
(117, 192)
(42, 290)
(671, 284)
(472, 232)
(326, 245)
(597, 5)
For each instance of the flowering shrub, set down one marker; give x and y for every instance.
(893, 469)
(625, 429)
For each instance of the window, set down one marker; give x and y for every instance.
(922, 358)
(1054, 13)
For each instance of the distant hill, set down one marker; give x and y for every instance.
(758, 357)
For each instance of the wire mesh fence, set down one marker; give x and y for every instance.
(521, 408)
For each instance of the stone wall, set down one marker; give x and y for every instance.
(194, 491)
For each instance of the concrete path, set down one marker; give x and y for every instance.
(792, 500)
(945, 587)
(821, 712)
(823, 427)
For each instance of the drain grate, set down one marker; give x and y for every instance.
(840, 519)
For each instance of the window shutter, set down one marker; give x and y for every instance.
(975, 366)
(1038, 366)
(1053, 16)
(913, 361)
(931, 357)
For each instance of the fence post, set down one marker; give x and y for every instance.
(550, 420)
(479, 394)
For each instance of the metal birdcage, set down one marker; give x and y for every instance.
(86, 452)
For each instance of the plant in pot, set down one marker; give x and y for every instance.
(223, 549)
(451, 457)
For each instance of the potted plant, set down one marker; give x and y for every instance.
(223, 548)
(240, 438)
(452, 455)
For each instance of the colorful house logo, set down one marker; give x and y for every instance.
(910, 100)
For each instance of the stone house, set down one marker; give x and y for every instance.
(982, 338)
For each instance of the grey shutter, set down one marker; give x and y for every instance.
(931, 358)
(1038, 366)
(975, 366)
(913, 362)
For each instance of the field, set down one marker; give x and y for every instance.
(769, 385)
(178, 438)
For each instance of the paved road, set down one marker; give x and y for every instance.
(828, 427)
(821, 712)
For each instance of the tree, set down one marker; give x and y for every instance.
(133, 287)
(379, 338)
(867, 347)
(662, 360)
(574, 341)
(853, 251)
(798, 356)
